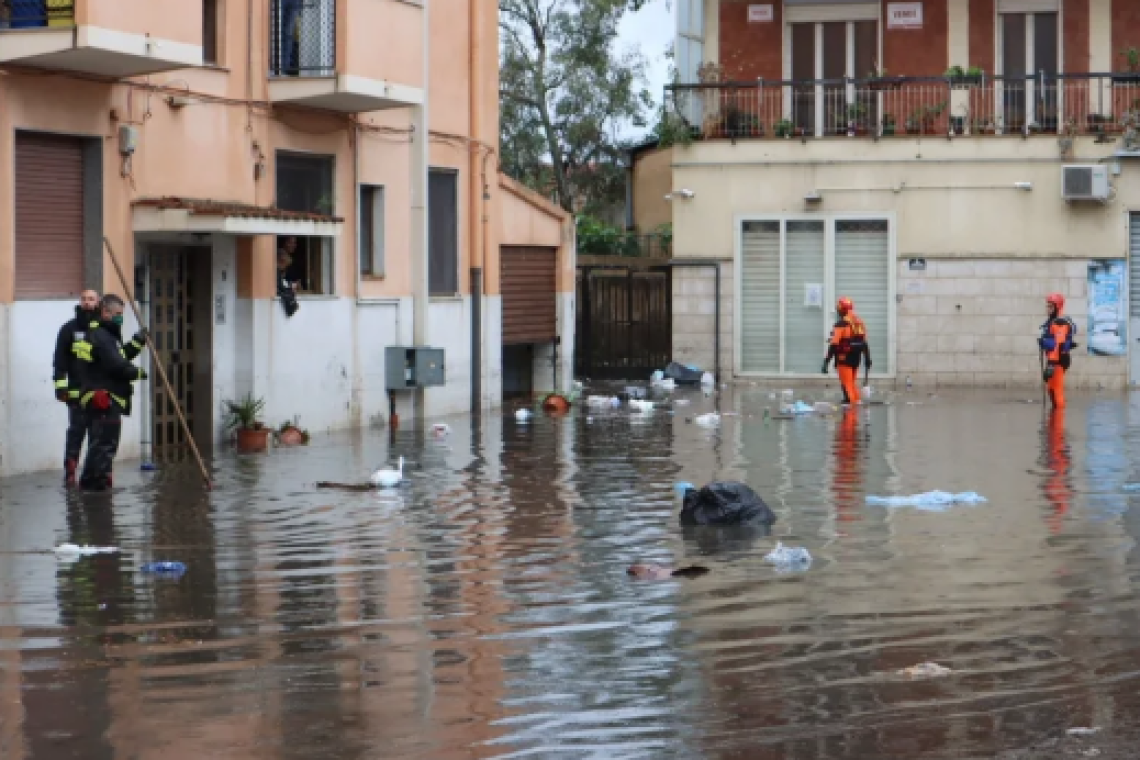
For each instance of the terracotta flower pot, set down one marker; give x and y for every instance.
(291, 436)
(556, 404)
(250, 441)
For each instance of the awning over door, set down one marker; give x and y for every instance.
(211, 216)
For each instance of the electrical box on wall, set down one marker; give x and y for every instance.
(128, 139)
(1085, 183)
(408, 367)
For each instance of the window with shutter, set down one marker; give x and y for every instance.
(443, 232)
(862, 273)
(49, 216)
(760, 297)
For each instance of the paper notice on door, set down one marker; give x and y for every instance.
(813, 295)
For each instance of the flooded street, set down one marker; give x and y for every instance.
(483, 609)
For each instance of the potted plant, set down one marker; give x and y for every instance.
(856, 119)
(783, 128)
(877, 79)
(964, 79)
(889, 124)
(1131, 58)
(243, 416)
(289, 434)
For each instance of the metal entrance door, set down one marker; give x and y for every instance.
(172, 330)
(625, 322)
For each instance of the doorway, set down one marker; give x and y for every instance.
(181, 327)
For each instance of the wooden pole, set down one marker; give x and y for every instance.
(158, 366)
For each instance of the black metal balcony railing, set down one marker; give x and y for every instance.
(35, 14)
(1065, 104)
(302, 38)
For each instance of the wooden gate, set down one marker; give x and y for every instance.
(625, 322)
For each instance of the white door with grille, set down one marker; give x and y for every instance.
(1133, 303)
(791, 272)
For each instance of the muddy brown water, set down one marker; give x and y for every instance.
(484, 609)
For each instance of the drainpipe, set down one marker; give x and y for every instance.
(478, 211)
(419, 236)
(715, 265)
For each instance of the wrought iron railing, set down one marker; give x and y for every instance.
(1065, 104)
(302, 38)
(35, 14)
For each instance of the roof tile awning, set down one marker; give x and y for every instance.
(171, 214)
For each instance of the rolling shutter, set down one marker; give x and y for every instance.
(529, 277)
(1134, 268)
(49, 216)
(862, 273)
(805, 327)
(760, 297)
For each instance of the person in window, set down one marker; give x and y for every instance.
(286, 282)
(290, 11)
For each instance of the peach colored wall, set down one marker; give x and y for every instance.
(209, 149)
(384, 40)
(528, 219)
(175, 20)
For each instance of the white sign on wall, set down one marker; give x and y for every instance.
(904, 15)
(760, 14)
(813, 295)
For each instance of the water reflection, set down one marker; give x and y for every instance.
(483, 609)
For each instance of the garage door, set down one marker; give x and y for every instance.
(529, 278)
(49, 216)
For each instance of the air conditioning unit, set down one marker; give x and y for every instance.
(1087, 182)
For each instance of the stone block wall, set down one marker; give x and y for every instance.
(694, 315)
(975, 322)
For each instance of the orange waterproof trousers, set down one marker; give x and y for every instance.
(849, 378)
(1056, 387)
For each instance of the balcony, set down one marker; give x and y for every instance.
(110, 38)
(1068, 105)
(350, 56)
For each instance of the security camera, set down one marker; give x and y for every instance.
(682, 193)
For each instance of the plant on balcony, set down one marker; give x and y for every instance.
(964, 79)
(736, 122)
(877, 79)
(922, 119)
(1131, 58)
(856, 119)
(673, 129)
(889, 124)
(783, 128)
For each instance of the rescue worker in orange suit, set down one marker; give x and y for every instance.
(848, 347)
(107, 378)
(70, 344)
(1056, 343)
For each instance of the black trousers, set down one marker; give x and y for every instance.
(103, 431)
(76, 432)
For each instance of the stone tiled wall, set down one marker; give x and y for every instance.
(974, 322)
(694, 317)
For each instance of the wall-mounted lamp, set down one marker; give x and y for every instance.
(685, 193)
(813, 196)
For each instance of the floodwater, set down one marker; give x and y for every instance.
(483, 610)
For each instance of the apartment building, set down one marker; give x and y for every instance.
(945, 163)
(201, 138)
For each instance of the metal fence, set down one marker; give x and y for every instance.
(302, 38)
(624, 322)
(33, 14)
(653, 246)
(1066, 104)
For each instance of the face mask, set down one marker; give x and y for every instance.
(117, 319)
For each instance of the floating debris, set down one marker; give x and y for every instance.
(657, 573)
(926, 670)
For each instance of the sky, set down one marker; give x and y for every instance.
(650, 30)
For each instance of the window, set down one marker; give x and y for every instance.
(443, 232)
(372, 231)
(305, 183)
(792, 271)
(210, 31)
(1029, 45)
(832, 50)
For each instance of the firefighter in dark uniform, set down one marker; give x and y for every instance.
(70, 344)
(107, 385)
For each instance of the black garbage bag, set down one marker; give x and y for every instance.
(683, 375)
(725, 503)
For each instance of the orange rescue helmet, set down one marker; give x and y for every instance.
(844, 306)
(1056, 300)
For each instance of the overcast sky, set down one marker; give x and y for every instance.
(651, 30)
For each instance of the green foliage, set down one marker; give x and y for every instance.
(596, 238)
(564, 91)
(244, 413)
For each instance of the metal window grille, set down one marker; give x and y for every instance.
(302, 38)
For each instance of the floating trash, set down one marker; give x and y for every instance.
(934, 500)
(74, 550)
(789, 558)
(926, 670)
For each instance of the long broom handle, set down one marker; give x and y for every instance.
(158, 366)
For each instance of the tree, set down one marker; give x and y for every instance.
(565, 91)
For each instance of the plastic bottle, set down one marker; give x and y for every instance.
(163, 567)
